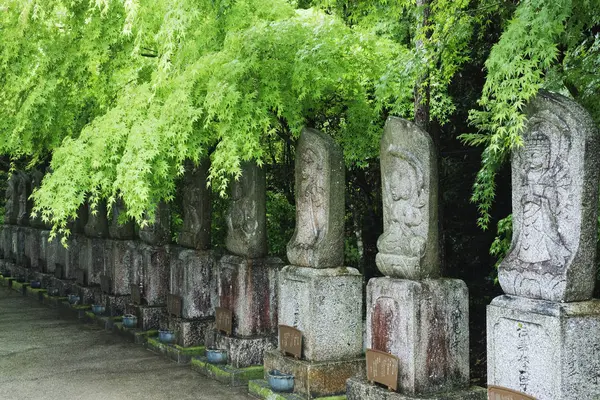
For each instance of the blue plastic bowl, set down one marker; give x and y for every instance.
(129, 321)
(35, 284)
(216, 356)
(73, 299)
(98, 309)
(280, 382)
(166, 336)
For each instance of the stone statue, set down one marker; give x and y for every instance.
(246, 220)
(158, 233)
(97, 222)
(408, 247)
(11, 207)
(555, 189)
(118, 230)
(195, 232)
(318, 240)
(23, 190)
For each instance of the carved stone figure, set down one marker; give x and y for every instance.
(97, 222)
(408, 247)
(318, 240)
(23, 190)
(195, 232)
(555, 189)
(119, 230)
(158, 233)
(246, 220)
(11, 207)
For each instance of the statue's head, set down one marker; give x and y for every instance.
(537, 150)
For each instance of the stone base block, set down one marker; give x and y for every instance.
(74, 311)
(359, 389)
(248, 287)
(426, 325)
(87, 294)
(115, 305)
(548, 350)
(316, 379)
(179, 354)
(326, 305)
(149, 317)
(260, 388)
(190, 332)
(243, 352)
(137, 336)
(103, 321)
(227, 374)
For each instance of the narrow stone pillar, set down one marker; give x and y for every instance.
(544, 335)
(412, 314)
(195, 233)
(318, 295)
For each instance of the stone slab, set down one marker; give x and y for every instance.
(315, 379)
(248, 288)
(243, 351)
(152, 270)
(179, 354)
(426, 325)
(115, 305)
(190, 332)
(359, 389)
(149, 317)
(227, 374)
(326, 305)
(548, 350)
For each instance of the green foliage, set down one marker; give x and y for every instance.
(503, 239)
(281, 219)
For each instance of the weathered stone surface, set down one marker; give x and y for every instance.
(149, 317)
(152, 270)
(95, 259)
(79, 224)
(159, 232)
(120, 267)
(97, 222)
(426, 325)
(408, 247)
(548, 350)
(248, 288)
(190, 332)
(195, 232)
(555, 197)
(55, 252)
(247, 216)
(326, 305)
(193, 278)
(358, 388)
(243, 352)
(11, 207)
(316, 379)
(318, 240)
(117, 229)
(25, 205)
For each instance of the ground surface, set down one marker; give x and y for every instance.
(44, 356)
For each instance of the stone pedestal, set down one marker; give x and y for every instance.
(121, 256)
(149, 317)
(115, 304)
(243, 352)
(190, 332)
(326, 305)
(359, 388)
(545, 349)
(151, 268)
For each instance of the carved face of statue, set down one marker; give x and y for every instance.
(403, 181)
(537, 152)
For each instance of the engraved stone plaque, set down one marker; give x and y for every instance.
(136, 294)
(500, 393)
(81, 277)
(105, 284)
(382, 368)
(174, 305)
(224, 320)
(58, 271)
(290, 341)
(554, 198)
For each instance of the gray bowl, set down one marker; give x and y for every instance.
(216, 356)
(129, 321)
(279, 381)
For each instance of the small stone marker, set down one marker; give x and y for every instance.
(105, 284)
(58, 270)
(382, 368)
(81, 277)
(224, 320)
(174, 305)
(136, 295)
(290, 341)
(500, 393)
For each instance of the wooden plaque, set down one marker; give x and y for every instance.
(105, 284)
(136, 295)
(58, 271)
(382, 368)
(224, 320)
(500, 393)
(81, 277)
(290, 341)
(174, 303)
